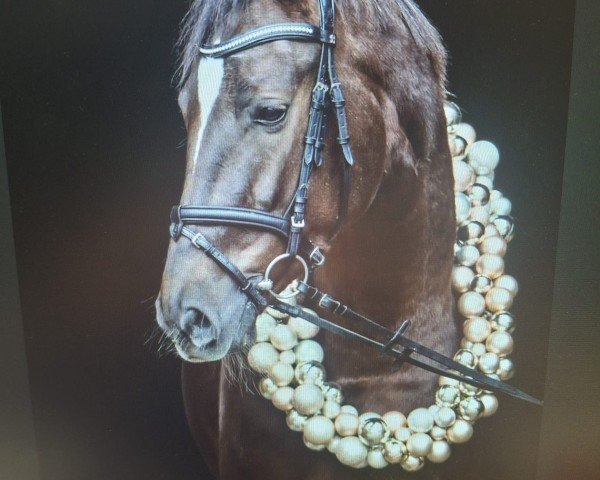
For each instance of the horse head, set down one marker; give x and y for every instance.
(246, 118)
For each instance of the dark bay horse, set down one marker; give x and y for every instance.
(390, 258)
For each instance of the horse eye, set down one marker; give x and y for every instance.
(270, 115)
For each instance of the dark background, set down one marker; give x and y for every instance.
(93, 142)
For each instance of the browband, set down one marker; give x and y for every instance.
(266, 34)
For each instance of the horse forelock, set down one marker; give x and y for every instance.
(207, 18)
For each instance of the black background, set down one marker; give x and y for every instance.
(93, 142)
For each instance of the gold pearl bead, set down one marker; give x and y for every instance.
(464, 175)
(476, 329)
(394, 451)
(267, 388)
(308, 399)
(498, 300)
(491, 266)
(295, 421)
(467, 255)
(412, 464)
(506, 369)
(333, 391)
(490, 405)
(447, 396)
(440, 452)
(461, 278)
(282, 374)
(509, 283)
(403, 434)
(481, 284)
(351, 451)
(420, 420)
(310, 372)
(445, 417)
(319, 430)
(460, 432)
(470, 409)
(419, 444)
(346, 424)
(264, 324)
(489, 362)
(466, 358)
(373, 431)
(262, 356)
(375, 459)
(503, 321)
(500, 343)
(303, 329)
(283, 337)
(448, 381)
(308, 351)
(282, 398)
(331, 409)
(493, 245)
(470, 233)
(394, 420)
(465, 131)
(471, 304)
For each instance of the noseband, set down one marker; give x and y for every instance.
(327, 96)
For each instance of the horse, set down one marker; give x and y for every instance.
(390, 256)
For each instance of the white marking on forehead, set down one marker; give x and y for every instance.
(210, 78)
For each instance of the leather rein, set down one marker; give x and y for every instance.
(327, 96)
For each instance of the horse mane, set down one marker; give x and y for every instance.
(208, 17)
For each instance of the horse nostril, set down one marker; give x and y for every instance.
(198, 328)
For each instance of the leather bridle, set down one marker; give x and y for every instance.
(327, 96)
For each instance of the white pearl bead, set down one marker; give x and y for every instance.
(287, 356)
(282, 374)
(490, 404)
(452, 113)
(346, 424)
(480, 214)
(467, 255)
(502, 206)
(365, 416)
(445, 417)
(448, 381)
(282, 398)
(478, 349)
(262, 356)
(509, 283)
(309, 350)
(495, 195)
(476, 329)
(349, 409)
(461, 278)
(333, 444)
(500, 343)
(319, 430)
(460, 432)
(483, 156)
(351, 451)
(498, 300)
(276, 313)
(464, 176)
(403, 434)
(471, 304)
(487, 181)
(411, 463)
(308, 399)
(438, 433)
(394, 420)
(312, 446)
(491, 266)
(264, 324)
(394, 451)
(494, 245)
(433, 409)
(463, 207)
(420, 420)
(283, 337)
(440, 452)
(331, 409)
(303, 329)
(465, 131)
(470, 409)
(375, 459)
(419, 444)
(295, 421)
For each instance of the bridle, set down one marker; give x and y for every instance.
(327, 96)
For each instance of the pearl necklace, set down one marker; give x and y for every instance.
(291, 360)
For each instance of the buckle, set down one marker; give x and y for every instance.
(316, 257)
(298, 224)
